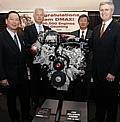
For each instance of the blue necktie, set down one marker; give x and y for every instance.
(40, 29)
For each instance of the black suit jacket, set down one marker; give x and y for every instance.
(88, 54)
(86, 40)
(31, 34)
(106, 51)
(77, 34)
(12, 60)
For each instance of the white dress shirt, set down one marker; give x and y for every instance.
(85, 31)
(39, 27)
(12, 35)
(107, 23)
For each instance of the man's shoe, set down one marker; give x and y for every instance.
(33, 110)
(26, 120)
(15, 121)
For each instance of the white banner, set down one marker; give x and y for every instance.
(58, 21)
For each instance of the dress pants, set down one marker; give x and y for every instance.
(35, 84)
(106, 102)
(22, 92)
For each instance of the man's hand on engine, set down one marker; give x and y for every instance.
(33, 50)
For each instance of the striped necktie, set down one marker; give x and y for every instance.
(16, 40)
(102, 29)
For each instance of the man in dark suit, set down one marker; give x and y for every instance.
(13, 73)
(84, 33)
(38, 86)
(106, 64)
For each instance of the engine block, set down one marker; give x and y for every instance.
(65, 60)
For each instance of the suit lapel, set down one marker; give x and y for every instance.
(78, 33)
(34, 30)
(98, 31)
(21, 41)
(107, 30)
(10, 41)
(88, 34)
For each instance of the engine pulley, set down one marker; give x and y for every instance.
(58, 78)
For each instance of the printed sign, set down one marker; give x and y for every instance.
(43, 112)
(73, 115)
(58, 21)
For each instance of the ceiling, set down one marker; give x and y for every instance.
(49, 5)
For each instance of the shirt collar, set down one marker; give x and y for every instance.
(11, 32)
(12, 35)
(108, 22)
(39, 25)
(36, 24)
(83, 30)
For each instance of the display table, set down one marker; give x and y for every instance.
(69, 111)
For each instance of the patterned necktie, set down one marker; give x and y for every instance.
(102, 29)
(39, 29)
(16, 40)
(82, 36)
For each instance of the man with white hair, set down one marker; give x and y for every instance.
(31, 35)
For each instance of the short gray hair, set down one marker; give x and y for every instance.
(108, 3)
(38, 9)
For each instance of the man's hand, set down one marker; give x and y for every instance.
(110, 77)
(4, 82)
(67, 36)
(33, 49)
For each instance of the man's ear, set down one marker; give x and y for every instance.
(6, 21)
